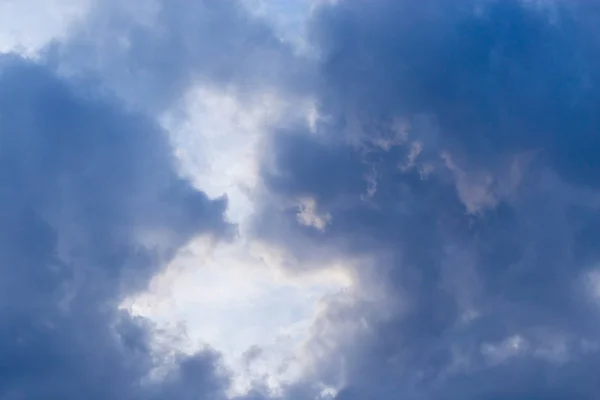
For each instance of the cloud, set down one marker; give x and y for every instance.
(94, 206)
(457, 155)
(91, 208)
(449, 166)
(238, 300)
(28, 25)
(153, 53)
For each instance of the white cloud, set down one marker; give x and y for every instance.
(237, 297)
(233, 300)
(217, 137)
(288, 17)
(27, 25)
(510, 347)
(308, 214)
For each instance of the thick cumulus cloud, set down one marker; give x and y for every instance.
(455, 150)
(90, 209)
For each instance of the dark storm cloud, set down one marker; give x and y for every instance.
(457, 150)
(90, 209)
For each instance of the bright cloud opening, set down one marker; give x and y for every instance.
(236, 297)
(230, 299)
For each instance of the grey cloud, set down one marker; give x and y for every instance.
(456, 153)
(152, 52)
(487, 230)
(91, 205)
(91, 208)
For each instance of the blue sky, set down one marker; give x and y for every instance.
(299, 200)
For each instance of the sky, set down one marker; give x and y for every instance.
(299, 199)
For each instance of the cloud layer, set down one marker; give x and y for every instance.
(450, 164)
